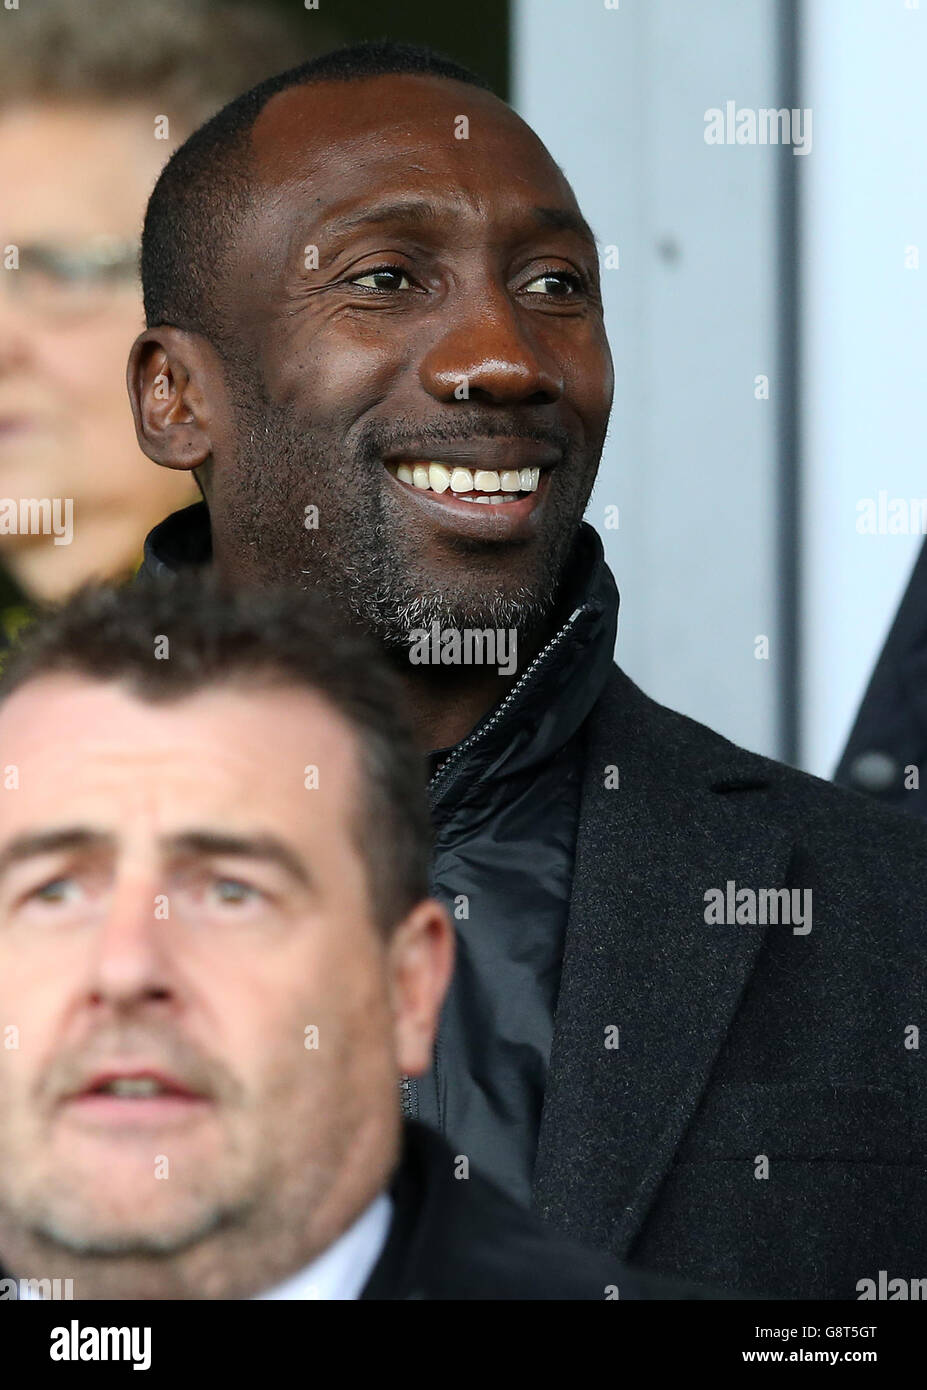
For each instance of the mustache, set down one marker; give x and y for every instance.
(378, 438)
(155, 1048)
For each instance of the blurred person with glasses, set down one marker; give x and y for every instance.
(93, 99)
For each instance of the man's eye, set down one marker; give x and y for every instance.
(233, 891)
(57, 890)
(559, 284)
(384, 277)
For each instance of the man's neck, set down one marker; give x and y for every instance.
(445, 702)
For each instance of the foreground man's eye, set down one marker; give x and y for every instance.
(382, 272)
(232, 891)
(57, 890)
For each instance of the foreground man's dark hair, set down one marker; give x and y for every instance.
(249, 639)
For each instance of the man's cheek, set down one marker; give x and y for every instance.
(18, 1048)
(350, 374)
(15, 1113)
(279, 1045)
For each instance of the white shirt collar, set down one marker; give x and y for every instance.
(342, 1270)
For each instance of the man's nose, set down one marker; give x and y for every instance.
(489, 351)
(16, 331)
(131, 961)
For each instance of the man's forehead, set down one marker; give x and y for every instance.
(332, 143)
(62, 720)
(239, 757)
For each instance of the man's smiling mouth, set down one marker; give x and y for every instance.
(489, 489)
(478, 485)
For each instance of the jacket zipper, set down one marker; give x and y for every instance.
(408, 1085)
(408, 1097)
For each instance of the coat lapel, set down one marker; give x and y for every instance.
(640, 957)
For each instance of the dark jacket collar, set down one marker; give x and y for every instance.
(551, 698)
(181, 541)
(553, 695)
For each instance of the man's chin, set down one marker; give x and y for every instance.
(129, 1222)
(402, 592)
(97, 1235)
(393, 617)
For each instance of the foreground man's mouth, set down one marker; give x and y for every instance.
(135, 1098)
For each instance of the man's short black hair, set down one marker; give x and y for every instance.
(205, 187)
(255, 640)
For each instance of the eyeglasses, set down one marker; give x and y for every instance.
(66, 282)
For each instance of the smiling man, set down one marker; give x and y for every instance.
(420, 359)
(375, 334)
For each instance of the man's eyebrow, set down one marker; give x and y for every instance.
(70, 837)
(564, 220)
(268, 848)
(402, 211)
(553, 219)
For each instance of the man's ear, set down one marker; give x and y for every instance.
(175, 384)
(421, 958)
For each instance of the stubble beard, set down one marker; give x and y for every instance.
(354, 554)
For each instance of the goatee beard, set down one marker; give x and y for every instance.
(352, 557)
(390, 607)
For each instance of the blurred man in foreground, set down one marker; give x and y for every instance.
(217, 959)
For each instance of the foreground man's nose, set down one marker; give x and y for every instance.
(130, 959)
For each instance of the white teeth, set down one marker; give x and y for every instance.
(493, 499)
(436, 477)
(439, 477)
(461, 480)
(133, 1086)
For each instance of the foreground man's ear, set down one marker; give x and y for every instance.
(420, 962)
(174, 380)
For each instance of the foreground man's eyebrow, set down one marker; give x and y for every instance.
(194, 842)
(266, 848)
(67, 838)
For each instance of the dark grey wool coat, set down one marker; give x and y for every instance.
(762, 1123)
